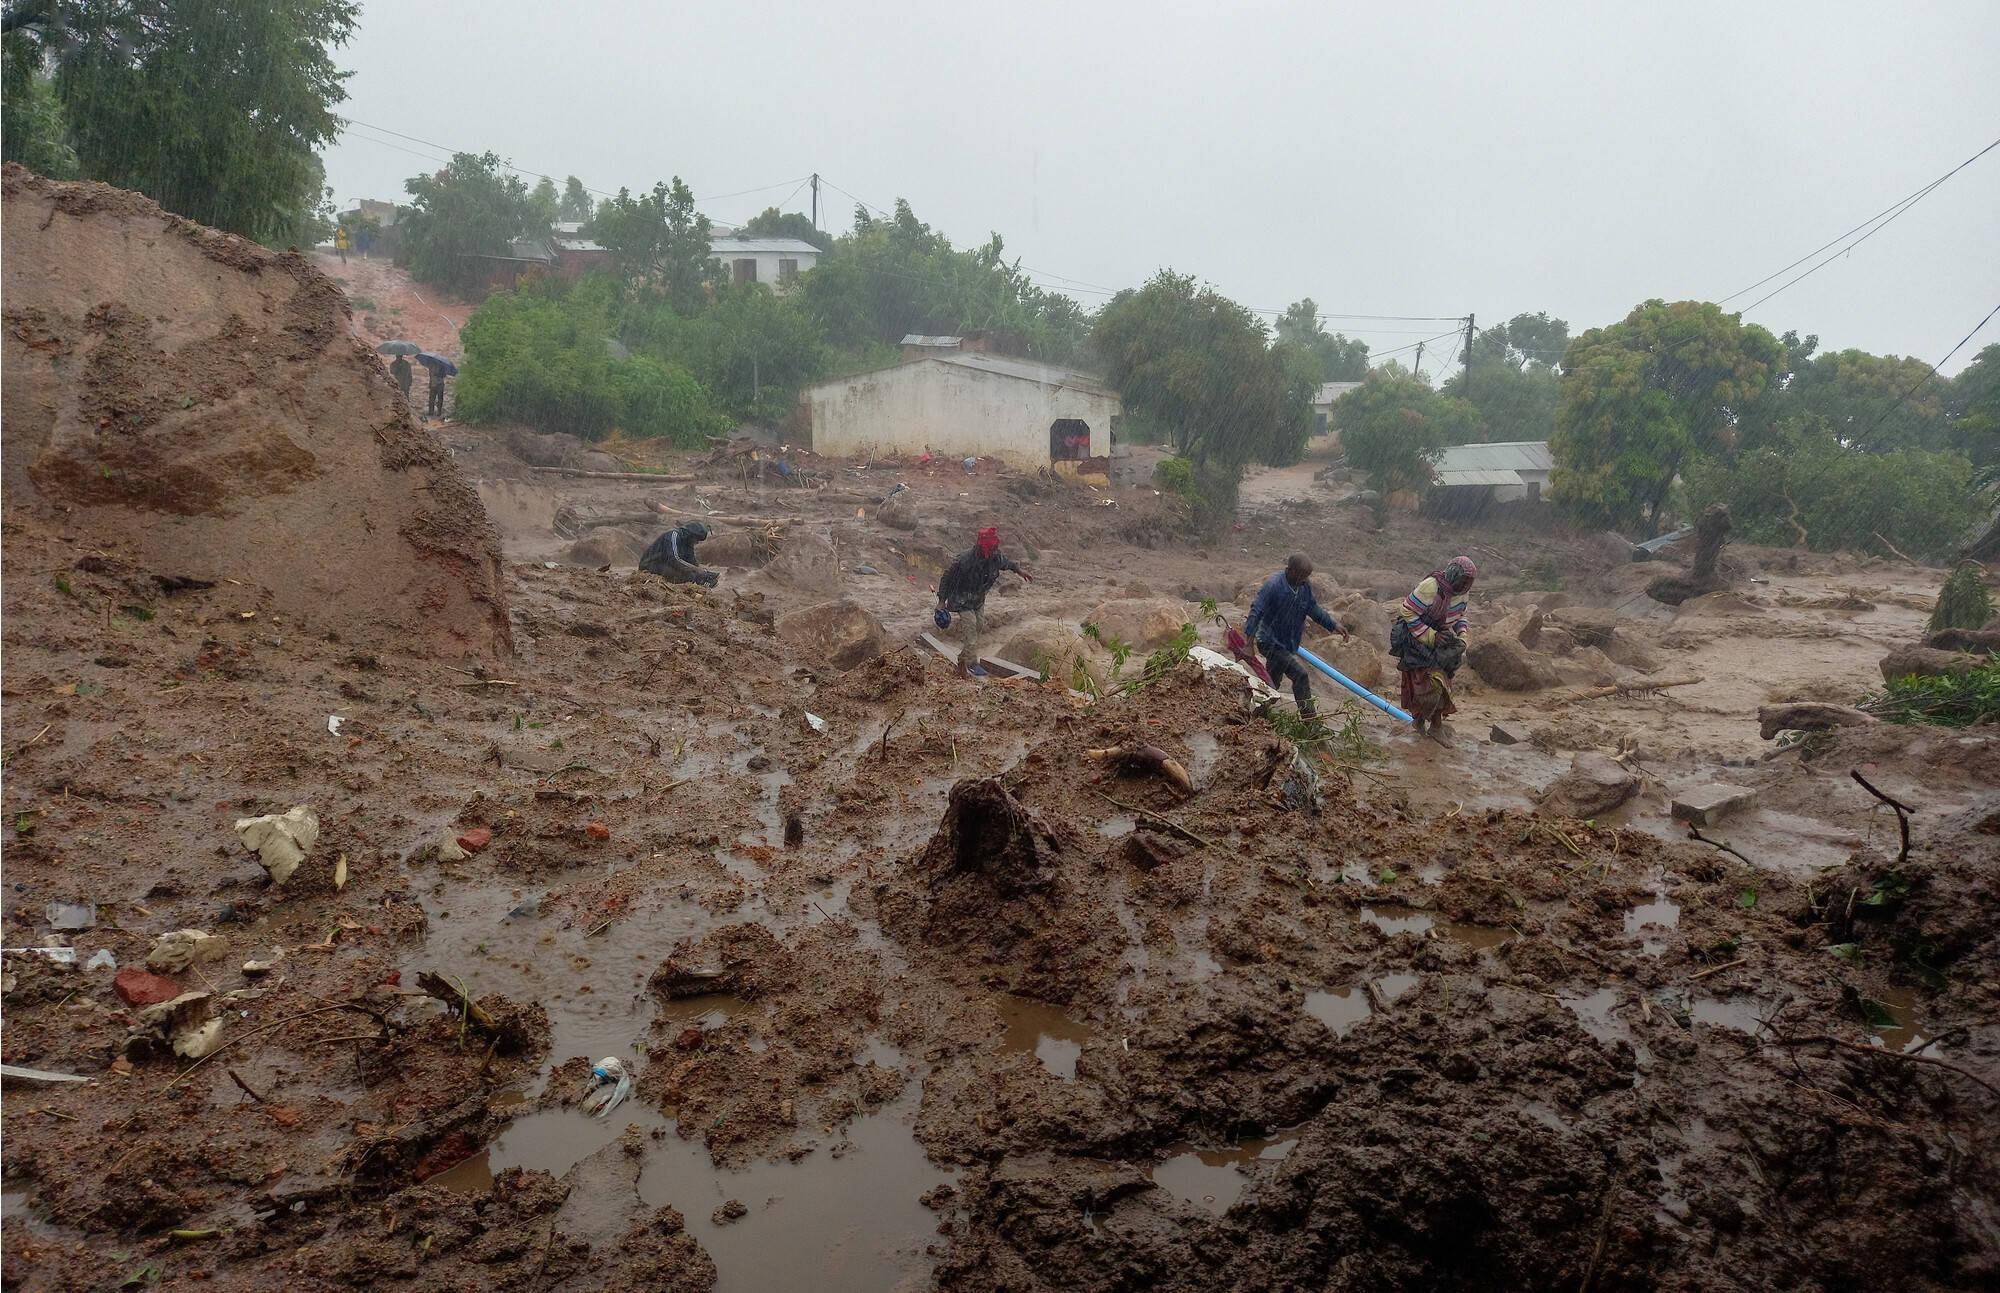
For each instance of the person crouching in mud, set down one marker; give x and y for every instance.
(672, 558)
(1428, 641)
(962, 592)
(1277, 622)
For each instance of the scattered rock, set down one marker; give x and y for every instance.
(1148, 850)
(1964, 640)
(1590, 626)
(475, 839)
(138, 988)
(806, 562)
(281, 840)
(1148, 623)
(1508, 734)
(175, 952)
(1595, 784)
(1504, 663)
(897, 514)
(728, 1212)
(1706, 805)
(1928, 662)
(839, 634)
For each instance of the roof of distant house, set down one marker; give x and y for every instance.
(722, 243)
(940, 342)
(1028, 370)
(1331, 391)
(1507, 455)
(575, 242)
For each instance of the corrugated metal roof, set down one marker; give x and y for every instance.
(787, 246)
(1331, 391)
(917, 339)
(1511, 456)
(566, 242)
(1477, 476)
(1032, 370)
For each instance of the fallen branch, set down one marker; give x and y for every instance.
(237, 1078)
(1146, 758)
(1883, 1053)
(1903, 811)
(1716, 969)
(1167, 824)
(461, 1003)
(1641, 686)
(1892, 547)
(652, 477)
(725, 518)
(1694, 833)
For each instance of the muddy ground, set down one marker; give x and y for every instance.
(928, 998)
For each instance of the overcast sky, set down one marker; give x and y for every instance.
(1408, 159)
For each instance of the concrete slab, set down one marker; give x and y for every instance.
(1706, 805)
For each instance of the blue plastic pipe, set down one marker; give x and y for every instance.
(1353, 686)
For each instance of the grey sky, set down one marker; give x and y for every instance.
(1409, 159)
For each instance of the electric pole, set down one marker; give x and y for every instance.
(1419, 369)
(815, 184)
(1468, 356)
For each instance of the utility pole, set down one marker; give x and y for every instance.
(1419, 369)
(815, 184)
(1468, 356)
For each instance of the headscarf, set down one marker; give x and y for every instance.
(1457, 575)
(988, 541)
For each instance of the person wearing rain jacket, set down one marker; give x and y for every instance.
(434, 406)
(672, 558)
(400, 369)
(1278, 621)
(962, 592)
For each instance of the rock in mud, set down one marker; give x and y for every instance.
(1928, 662)
(992, 837)
(1148, 623)
(542, 450)
(1360, 660)
(1590, 626)
(806, 562)
(1504, 663)
(1508, 734)
(138, 988)
(1595, 784)
(1149, 850)
(281, 840)
(897, 514)
(1964, 640)
(605, 546)
(839, 634)
(175, 951)
(1809, 716)
(1058, 649)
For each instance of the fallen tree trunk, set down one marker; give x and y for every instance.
(1639, 687)
(1146, 758)
(652, 477)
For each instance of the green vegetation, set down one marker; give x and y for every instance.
(1513, 379)
(1944, 702)
(1395, 426)
(1963, 602)
(472, 207)
(215, 109)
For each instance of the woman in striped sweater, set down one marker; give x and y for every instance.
(1429, 641)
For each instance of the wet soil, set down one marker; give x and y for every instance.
(953, 1035)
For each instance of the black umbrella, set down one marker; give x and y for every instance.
(398, 348)
(438, 362)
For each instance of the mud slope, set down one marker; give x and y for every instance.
(199, 401)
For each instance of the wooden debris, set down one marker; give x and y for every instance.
(1146, 758)
(1637, 687)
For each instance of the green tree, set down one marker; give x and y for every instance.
(1857, 396)
(215, 109)
(33, 130)
(544, 206)
(660, 243)
(1394, 427)
(1512, 377)
(1643, 398)
(1196, 361)
(576, 203)
(773, 223)
(1336, 358)
(752, 349)
(1975, 412)
(472, 207)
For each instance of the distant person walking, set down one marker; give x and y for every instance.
(340, 242)
(962, 592)
(403, 373)
(434, 406)
(1277, 623)
(1428, 641)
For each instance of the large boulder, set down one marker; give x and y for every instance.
(806, 562)
(1964, 640)
(200, 402)
(1928, 662)
(1589, 625)
(1361, 660)
(1809, 716)
(839, 634)
(1058, 649)
(740, 547)
(1148, 623)
(607, 545)
(1594, 785)
(1504, 663)
(540, 449)
(898, 514)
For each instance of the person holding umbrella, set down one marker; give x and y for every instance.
(400, 369)
(440, 368)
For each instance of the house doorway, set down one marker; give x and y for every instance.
(1069, 440)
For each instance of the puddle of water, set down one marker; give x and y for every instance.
(1056, 1039)
(1546, 1114)
(1203, 749)
(17, 1204)
(1392, 986)
(1594, 1011)
(1431, 873)
(1902, 1032)
(1338, 1008)
(1117, 827)
(707, 1010)
(1394, 918)
(1744, 1014)
(836, 1220)
(1213, 1179)
(552, 1140)
(1661, 913)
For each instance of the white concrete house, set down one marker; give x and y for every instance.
(1323, 402)
(1512, 469)
(774, 262)
(1024, 412)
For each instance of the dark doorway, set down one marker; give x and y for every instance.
(1069, 440)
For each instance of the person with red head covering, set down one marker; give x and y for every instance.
(962, 592)
(1428, 641)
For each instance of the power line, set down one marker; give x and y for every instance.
(1925, 380)
(1891, 211)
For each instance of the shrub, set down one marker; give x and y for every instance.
(1963, 602)
(1973, 697)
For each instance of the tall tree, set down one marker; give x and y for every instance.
(472, 207)
(660, 242)
(773, 223)
(1512, 377)
(543, 208)
(1198, 363)
(576, 203)
(1394, 427)
(1643, 397)
(1336, 358)
(215, 109)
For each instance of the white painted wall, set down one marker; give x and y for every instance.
(957, 411)
(767, 264)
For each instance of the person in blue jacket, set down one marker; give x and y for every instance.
(1278, 620)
